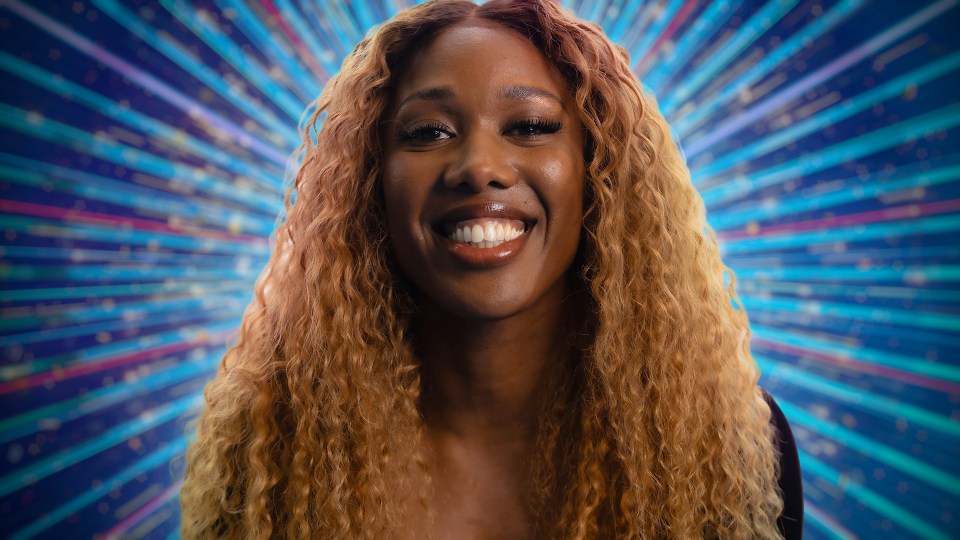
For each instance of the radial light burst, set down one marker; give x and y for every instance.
(144, 147)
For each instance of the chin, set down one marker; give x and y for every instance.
(482, 307)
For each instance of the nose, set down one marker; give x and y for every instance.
(481, 161)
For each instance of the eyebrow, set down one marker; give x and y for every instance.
(443, 93)
(430, 94)
(527, 92)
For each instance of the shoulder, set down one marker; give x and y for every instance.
(790, 521)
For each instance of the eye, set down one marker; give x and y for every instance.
(533, 127)
(426, 133)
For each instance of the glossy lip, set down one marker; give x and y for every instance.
(482, 257)
(496, 210)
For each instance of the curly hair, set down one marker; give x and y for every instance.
(661, 430)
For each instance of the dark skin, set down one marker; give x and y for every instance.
(497, 126)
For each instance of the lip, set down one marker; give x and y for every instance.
(475, 257)
(484, 257)
(482, 210)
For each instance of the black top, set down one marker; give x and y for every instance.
(790, 521)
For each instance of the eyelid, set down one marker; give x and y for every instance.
(545, 125)
(409, 133)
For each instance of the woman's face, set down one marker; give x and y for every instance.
(484, 173)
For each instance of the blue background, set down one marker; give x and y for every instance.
(143, 150)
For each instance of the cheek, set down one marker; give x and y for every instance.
(564, 177)
(399, 194)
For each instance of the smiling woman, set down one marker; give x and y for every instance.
(495, 311)
(480, 140)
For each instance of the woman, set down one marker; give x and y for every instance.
(494, 311)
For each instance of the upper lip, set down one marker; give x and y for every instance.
(483, 210)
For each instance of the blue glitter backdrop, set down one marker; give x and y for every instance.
(143, 147)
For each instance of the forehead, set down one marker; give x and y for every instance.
(478, 55)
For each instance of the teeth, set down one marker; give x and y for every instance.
(486, 236)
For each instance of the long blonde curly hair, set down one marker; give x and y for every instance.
(659, 430)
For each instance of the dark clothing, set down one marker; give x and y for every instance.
(790, 521)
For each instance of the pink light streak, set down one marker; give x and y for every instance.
(667, 34)
(295, 40)
(128, 522)
(191, 107)
(862, 367)
(95, 218)
(60, 374)
(910, 211)
(841, 64)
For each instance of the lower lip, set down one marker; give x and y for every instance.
(485, 257)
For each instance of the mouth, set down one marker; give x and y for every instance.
(483, 236)
(483, 233)
(483, 225)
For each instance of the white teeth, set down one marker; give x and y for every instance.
(486, 236)
(477, 234)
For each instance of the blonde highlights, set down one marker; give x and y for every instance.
(659, 432)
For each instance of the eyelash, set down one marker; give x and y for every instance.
(543, 126)
(417, 133)
(421, 132)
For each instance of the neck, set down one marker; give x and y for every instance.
(484, 380)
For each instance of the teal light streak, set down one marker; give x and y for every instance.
(824, 524)
(815, 273)
(72, 291)
(628, 16)
(40, 175)
(847, 190)
(25, 476)
(859, 233)
(683, 124)
(107, 351)
(639, 50)
(128, 156)
(905, 254)
(857, 397)
(72, 313)
(939, 478)
(174, 137)
(298, 78)
(770, 105)
(159, 258)
(96, 272)
(837, 348)
(852, 312)
(881, 505)
(241, 61)
(848, 150)
(53, 228)
(800, 288)
(192, 65)
(833, 115)
(146, 81)
(781, 319)
(306, 35)
(160, 457)
(759, 23)
(713, 18)
(97, 400)
(365, 18)
(336, 33)
(160, 316)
